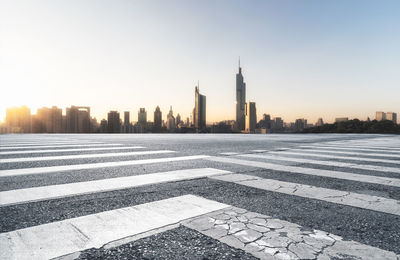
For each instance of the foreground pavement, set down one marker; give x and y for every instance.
(177, 196)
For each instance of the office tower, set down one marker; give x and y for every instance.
(199, 115)
(178, 119)
(392, 117)
(78, 119)
(251, 117)
(240, 100)
(19, 119)
(127, 124)
(113, 122)
(49, 120)
(157, 118)
(103, 126)
(278, 123)
(341, 119)
(380, 116)
(142, 116)
(300, 124)
(171, 120)
(319, 122)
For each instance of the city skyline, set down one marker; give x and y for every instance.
(300, 60)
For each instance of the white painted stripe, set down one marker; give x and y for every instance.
(325, 163)
(363, 201)
(81, 156)
(72, 150)
(350, 153)
(93, 231)
(72, 189)
(299, 152)
(41, 170)
(229, 153)
(347, 148)
(380, 148)
(54, 146)
(316, 172)
(259, 151)
(44, 142)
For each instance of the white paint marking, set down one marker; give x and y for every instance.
(359, 147)
(350, 153)
(72, 150)
(44, 142)
(72, 189)
(325, 163)
(81, 156)
(93, 231)
(229, 153)
(54, 146)
(327, 148)
(298, 153)
(316, 172)
(259, 151)
(42, 170)
(363, 201)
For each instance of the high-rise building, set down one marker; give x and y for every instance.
(103, 126)
(19, 119)
(300, 124)
(113, 122)
(380, 116)
(78, 119)
(278, 123)
(178, 119)
(341, 119)
(199, 115)
(240, 100)
(49, 120)
(251, 117)
(392, 117)
(142, 116)
(157, 118)
(126, 128)
(171, 120)
(319, 122)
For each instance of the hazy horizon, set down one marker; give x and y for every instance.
(300, 59)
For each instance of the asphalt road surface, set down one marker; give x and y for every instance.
(305, 196)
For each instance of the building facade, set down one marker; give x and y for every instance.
(199, 112)
(142, 116)
(240, 101)
(157, 118)
(251, 117)
(113, 122)
(392, 117)
(380, 116)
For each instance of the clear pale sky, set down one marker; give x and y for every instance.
(311, 59)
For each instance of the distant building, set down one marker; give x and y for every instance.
(392, 117)
(103, 126)
(113, 122)
(19, 119)
(319, 122)
(142, 116)
(157, 119)
(240, 101)
(380, 116)
(278, 123)
(251, 117)
(300, 124)
(127, 126)
(341, 119)
(178, 119)
(223, 127)
(171, 120)
(78, 119)
(49, 120)
(199, 115)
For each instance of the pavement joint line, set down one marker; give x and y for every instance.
(363, 201)
(266, 237)
(323, 150)
(72, 150)
(54, 146)
(351, 158)
(348, 148)
(59, 238)
(73, 167)
(324, 162)
(19, 196)
(81, 156)
(310, 171)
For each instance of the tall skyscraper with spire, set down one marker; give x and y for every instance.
(199, 112)
(240, 101)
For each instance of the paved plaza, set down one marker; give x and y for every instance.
(204, 196)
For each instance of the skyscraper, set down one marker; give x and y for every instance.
(392, 117)
(199, 115)
(240, 100)
(113, 122)
(251, 117)
(50, 119)
(171, 120)
(127, 124)
(142, 116)
(19, 118)
(380, 116)
(78, 119)
(157, 118)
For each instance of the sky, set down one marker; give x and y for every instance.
(300, 58)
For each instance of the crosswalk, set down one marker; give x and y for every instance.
(361, 175)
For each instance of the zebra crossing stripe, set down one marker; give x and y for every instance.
(78, 188)
(393, 150)
(50, 169)
(93, 231)
(309, 171)
(363, 201)
(81, 156)
(352, 158)
(54, 146)
(324, 163)
(41, 143)
(71, 150)
(367, 150)
(351, 153)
